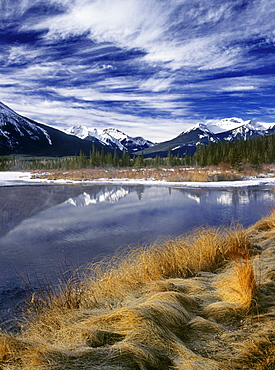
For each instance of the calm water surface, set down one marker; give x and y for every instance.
(45, 229)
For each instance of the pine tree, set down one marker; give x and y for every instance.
(125, 159)
(115, 159)
(169, 157)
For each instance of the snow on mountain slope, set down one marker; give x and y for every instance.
(227, 129)
(79, 131)
(131, 144)
(6, 110)
(111, 137)
(83, 132)
(228, 124)
(21, 125)
(117, 134)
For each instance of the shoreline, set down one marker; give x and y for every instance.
(21, 178)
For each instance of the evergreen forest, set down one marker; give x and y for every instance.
(254, 151)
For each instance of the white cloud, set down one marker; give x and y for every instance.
(156, 84)
(117, 21)
(244, 84)
(20, 54)
(239, 88)
(230, 84)
(161, 102)
(117, 83)
(206, 29)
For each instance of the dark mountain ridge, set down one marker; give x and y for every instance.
(21, 135)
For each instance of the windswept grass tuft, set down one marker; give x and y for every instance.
(205, 249)
(266, 223)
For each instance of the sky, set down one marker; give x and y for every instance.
(150, 68)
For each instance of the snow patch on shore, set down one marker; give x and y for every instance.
(15, 178)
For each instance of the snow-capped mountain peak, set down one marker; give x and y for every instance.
(115, 133)
(227, 124)
(79, 131)
(103, 136)
(227, 129)
(131, 144)
(198, 126)
(111, 137)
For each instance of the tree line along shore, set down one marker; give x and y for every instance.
(238, 154)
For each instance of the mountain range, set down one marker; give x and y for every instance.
(227, 129)
(21, 135)
(112, 137)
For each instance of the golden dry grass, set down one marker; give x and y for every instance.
(174, 174)
(204, 300)
(223, 172)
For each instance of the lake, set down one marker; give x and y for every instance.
(46, 229)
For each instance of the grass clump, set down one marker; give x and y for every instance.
(198, 301)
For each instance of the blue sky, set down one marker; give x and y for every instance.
(147, 67)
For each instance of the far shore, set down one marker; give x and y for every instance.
(119, 177)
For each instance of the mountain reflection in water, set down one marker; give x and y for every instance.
(104, 195)
(43, 226)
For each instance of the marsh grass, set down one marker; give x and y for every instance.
(175, 304)
(169, 174)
